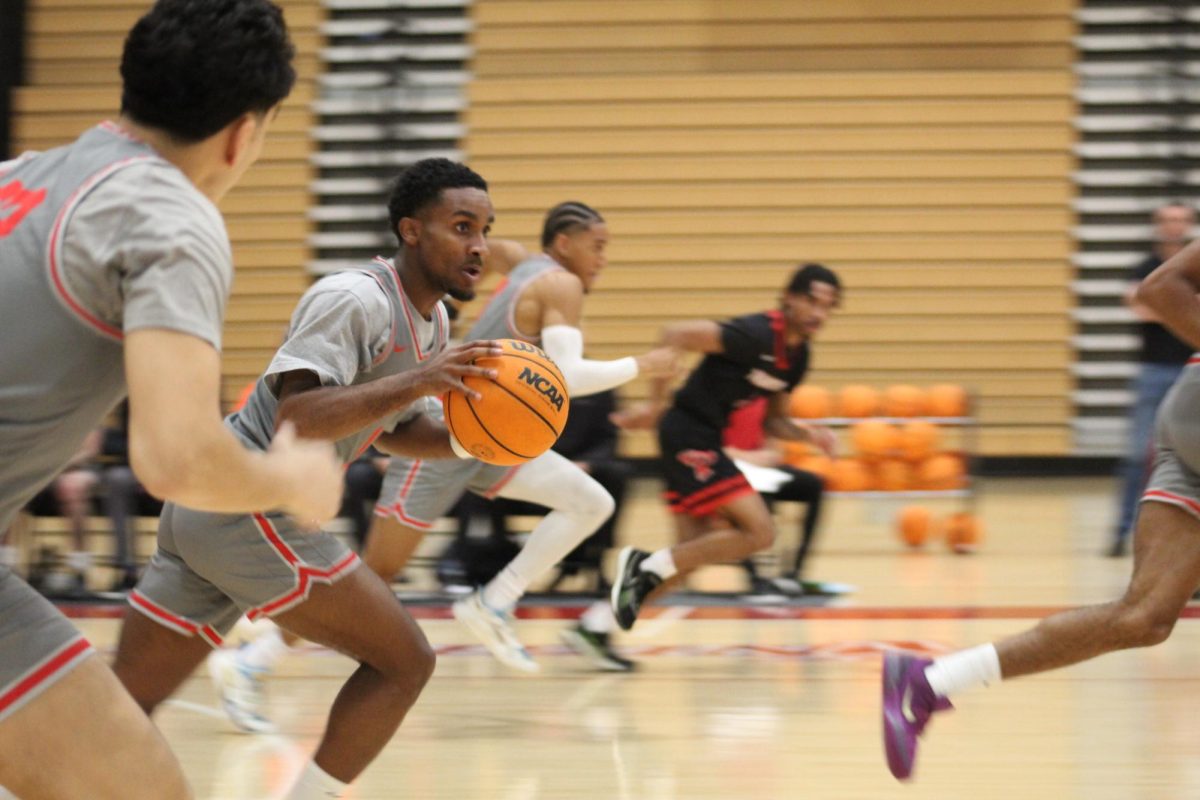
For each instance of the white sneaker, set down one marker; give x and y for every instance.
(493, 630)
(241, 690)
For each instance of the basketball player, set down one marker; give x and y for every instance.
(718, 517)
(1166, 557)
(115, 270)
(363, 348)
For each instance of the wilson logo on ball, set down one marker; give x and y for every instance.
(543, 386)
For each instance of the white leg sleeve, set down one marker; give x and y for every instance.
(580, 505)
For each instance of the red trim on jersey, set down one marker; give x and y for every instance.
(55, 243)
(305, 576)
(1193, 360)
(117, 130)
(173, 621)
(58, 662)
(363, 448)
(412, 328)
(1186, 503)
(777, 325)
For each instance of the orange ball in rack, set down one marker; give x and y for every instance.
(893, 475)
(848, 475)
(946, 400)
(904, 401)
(810, 402)
(874, 438)
(918, 439)
(941, 472)
(858, 401)
(520, 414)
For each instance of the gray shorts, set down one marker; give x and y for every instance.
(418, 491)
(1176, 476)
(38, 645)
(209, 569)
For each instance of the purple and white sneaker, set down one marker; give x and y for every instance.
(908, 703)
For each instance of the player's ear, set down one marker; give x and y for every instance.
(240, 136)
(410, 230)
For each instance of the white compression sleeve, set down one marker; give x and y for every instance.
(584, 376)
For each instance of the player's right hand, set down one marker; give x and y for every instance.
(634, 418)
(445, 371)
(661, 362)
(313, 474)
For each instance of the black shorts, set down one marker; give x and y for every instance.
(700, 477)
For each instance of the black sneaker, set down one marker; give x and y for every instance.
(631, 586)
(596, 648)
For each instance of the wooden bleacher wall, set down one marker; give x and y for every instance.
(922, 148)
(73, 52)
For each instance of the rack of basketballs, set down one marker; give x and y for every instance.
(899, 442)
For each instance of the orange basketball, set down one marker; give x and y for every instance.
(915, 525)
(858, 401)
(963, 533)
(893, 475)
(874, 438)
(918, 439)
(818, 465)
(520, 414)
(941, 472)
(946, 400)
(903, 401)
(795, 452)
(848, 475)
(810, 402)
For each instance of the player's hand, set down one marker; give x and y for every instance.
(634, 418)
(312, 469)
(445, 371)
(821, 437)
(661, 362)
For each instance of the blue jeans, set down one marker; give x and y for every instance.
(1151, 385)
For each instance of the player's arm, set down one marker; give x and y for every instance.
(182, 452)
(503, 255)
(334, 412)
(560, 297)
(779, 425)
(420, 437)
(1170, 292)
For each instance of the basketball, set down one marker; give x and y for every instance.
(893, 475)
(941, 472)
(904, 401)
(946, 400)
(810, 402)
(848, 475)
(858, 401)
(914, 525)
(963, 533)
(874, 438)
(519, 415)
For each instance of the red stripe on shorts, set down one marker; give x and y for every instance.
(56, 663)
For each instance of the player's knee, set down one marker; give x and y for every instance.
(760, 537)
(1143, 625)
(600, 507)
(411, 665)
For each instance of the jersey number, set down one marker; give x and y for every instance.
(15, 202)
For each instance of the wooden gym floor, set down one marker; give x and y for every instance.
(769, 701)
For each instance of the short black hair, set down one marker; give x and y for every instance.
(422, 184)
(567, 217)
(191, 67)
(808, 274)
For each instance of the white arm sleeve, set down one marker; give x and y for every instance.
(564, 344)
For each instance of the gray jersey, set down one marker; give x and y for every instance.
(97, 239)
(350, 327)
(498, 318)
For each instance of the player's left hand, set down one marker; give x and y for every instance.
(821, 437)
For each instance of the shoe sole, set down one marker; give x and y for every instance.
(580, 646)
(615, 593)
(483, 634)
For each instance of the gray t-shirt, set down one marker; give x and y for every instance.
(97, 238)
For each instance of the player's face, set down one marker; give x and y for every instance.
(807, 313)
(584, 252)
(1173, 223)
(452, 241)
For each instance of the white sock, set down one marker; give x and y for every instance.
(549, 541)
(966, 669)
(315, 783)
(661, 563)
(598, 618)
(264, 651)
